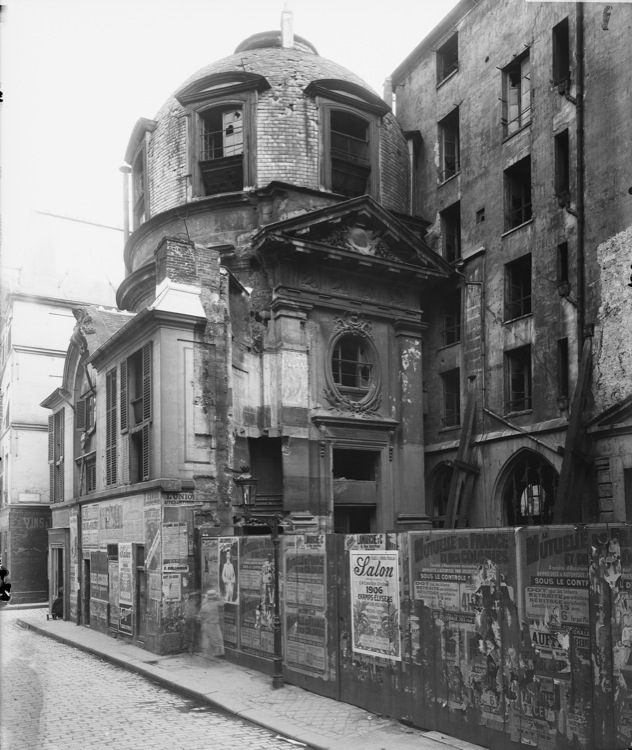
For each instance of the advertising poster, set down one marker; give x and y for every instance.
(99, 576)
(125, 622)
(556, 677)
(610, 578)
(229, 569)
(90, 526)
(462, 580)
(305, 611)
(365, 541)
(256, 583)
(153, 558)
(113, 576)
(125, 575)
(175, 542)
(375, 603)
(154, 584)
(172, 587)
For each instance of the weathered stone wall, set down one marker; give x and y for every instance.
(612, 375)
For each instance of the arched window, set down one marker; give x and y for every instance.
(529, 490)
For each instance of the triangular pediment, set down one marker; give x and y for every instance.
(357, 227)
(619, 414)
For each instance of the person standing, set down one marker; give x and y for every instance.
(209, 619)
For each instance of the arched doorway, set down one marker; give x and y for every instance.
(528, 489)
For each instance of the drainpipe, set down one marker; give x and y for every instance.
(581, 263)
(125, 170)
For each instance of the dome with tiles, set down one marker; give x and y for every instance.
(273, 112)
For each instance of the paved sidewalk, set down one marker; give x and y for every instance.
(297, 714)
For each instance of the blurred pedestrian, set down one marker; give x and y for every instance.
(209, 618)
(190, 620)
(58, 605)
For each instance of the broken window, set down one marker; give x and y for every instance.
(517, 95)
(448, 58)
(451, 232)
(518, 194)
(221, 156)
(518, 288)
(452, 318)
(561, 54)
(451, 382)
(518, 379)
(529, 491)
(350, 159)
(449, 146)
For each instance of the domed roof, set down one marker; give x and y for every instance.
(262, 54)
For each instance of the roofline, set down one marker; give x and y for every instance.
(143, 322)
(428, 43)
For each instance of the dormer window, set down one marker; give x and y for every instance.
(222, 131)
(349, 116)
(222, 150)
(350, 161)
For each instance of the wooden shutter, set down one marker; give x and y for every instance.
(145, 452)
(147, 351)
(525, 90)
(124, 399)
(60, 469)
(51, 438)
(80, 415)
(110, 428)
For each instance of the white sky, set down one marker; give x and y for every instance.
(77, 74)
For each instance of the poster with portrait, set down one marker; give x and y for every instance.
(375, 623)
(256, 588)
(229, 569)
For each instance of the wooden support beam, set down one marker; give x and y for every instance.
(567, 508)
(462, 456)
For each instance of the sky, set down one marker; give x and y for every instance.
(77, 74)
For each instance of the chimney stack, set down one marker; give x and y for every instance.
(287, 28)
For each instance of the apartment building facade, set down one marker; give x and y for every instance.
(522, 117)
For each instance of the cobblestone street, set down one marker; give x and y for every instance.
(57, 697)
